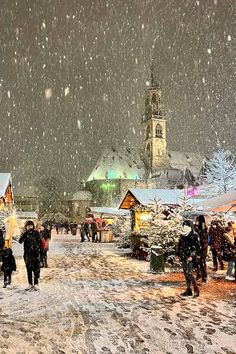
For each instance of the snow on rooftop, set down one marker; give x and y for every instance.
(119, 163)
(164, 196)
(182, 160)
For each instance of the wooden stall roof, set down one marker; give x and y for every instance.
(149, 196)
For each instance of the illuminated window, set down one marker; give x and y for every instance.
(158, 131)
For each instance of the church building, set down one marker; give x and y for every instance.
(152, 166)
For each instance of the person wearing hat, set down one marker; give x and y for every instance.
(32, 252)
(189, 251)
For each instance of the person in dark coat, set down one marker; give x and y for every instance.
(189, 251)
(201, 229)
(86, 230)
(8, 265)
(45, 236)
(94, 230)
(216, 236)
(32, 252)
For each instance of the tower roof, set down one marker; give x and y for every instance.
(154, 80)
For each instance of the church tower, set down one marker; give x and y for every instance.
(154, 128)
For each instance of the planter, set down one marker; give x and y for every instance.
(157, 264)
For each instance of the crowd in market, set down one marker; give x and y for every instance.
(88, 230)
(193, 249)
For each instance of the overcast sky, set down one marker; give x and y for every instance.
(73, 73)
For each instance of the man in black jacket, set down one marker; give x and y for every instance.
(189, 251)
(32, 251)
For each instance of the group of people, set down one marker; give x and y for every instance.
(193, 248)
(66, 227)
(36, 245)
(89, 230)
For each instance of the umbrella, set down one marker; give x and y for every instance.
(225, 208)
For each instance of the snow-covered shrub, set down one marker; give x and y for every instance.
(121, 230)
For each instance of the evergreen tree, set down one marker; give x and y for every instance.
(220, 173)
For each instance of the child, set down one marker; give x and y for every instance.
(8, 265)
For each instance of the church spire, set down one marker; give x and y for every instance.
(154, 81)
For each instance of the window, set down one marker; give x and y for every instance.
(148, 150)
(148, 132)
(158, 131)
(154, 98)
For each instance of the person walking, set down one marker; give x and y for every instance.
(8, 266)
(230, 251)
(86, 230)
(94, 230)
(32, 252)
(188, 251)
(201, 229)
(216, 236)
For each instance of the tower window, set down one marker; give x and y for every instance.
(148, 150)
(158, 131)
(154, 98)
(148, 132)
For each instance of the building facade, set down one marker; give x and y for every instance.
(152, 166)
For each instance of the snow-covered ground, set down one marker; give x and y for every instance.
(92, 300)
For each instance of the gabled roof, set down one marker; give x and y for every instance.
(150, 196)
(5, 180)
(186, 160)
(119, 163)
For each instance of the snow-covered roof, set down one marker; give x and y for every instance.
(109, 211)
(127, 163)
(5, 180)
(151, 196)
(186, 160)
(82, 195)
(27, 214)
(220, 200)
(119, 163)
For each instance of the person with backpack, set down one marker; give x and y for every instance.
(230, 251)
(32, 253)
(8, 266)
(189, 252)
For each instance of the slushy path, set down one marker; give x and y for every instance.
(92, 300)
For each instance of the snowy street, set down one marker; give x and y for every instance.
(94, 301)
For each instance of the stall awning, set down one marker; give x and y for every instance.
(5, 181)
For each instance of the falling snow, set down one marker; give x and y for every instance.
(86, 64)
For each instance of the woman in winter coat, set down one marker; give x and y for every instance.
(32, 252)
(231, 251)
(189, 251)
(216, 235)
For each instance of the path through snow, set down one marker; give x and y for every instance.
(92, 300)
